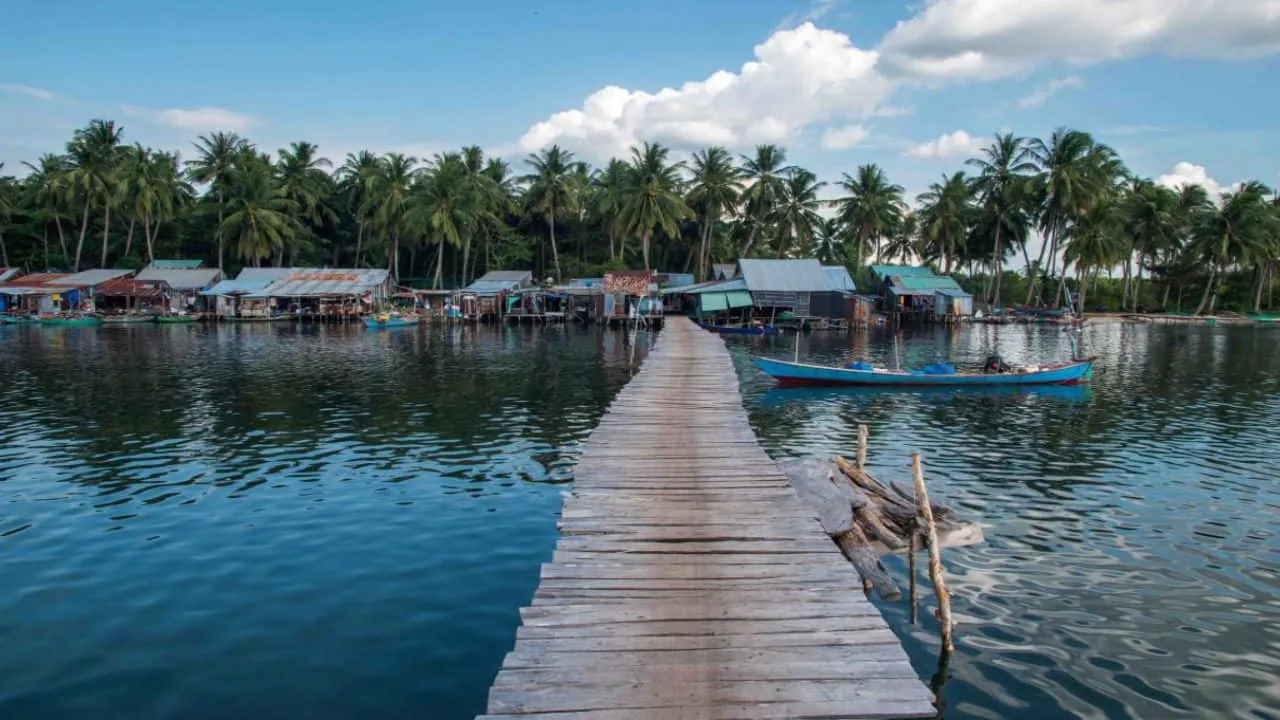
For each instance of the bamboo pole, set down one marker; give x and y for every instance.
(862, 446)
(797, 346)
(935, 553)
(912, 548)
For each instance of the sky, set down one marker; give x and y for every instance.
(1185, 90)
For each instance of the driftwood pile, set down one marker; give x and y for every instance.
(868, 518)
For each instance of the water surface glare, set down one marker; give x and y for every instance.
(262, 522)
(1131, 563)
(267, 522)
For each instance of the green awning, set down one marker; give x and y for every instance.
(711, 302)
(738, 298)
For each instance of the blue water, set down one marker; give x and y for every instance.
(263, 522)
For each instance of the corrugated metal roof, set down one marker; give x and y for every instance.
(803, 275)
(8, 273)
(16, 290)
(129, 287)
(675, 279)
(237, 287)
(630, 282)
(839, 278)
(500, 281)
(90, 278)
(882, 271)
(314, 282)
(176, 264)
(181, 279)
(953, 292)
(35, 279)
(267, 274)
(708, 286)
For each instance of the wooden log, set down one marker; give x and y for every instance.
(913, 548)
(855, 546)
(935, 553)
(862, 446)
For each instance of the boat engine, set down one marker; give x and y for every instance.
(995, 364)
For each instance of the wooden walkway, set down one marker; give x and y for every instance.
(689, 582)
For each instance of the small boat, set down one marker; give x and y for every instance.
(382, 322)
(796, 373)
(283, 317)
(740, 329)
(175, 319)
(1040, 312)
(16, 320)
(70, 320)
(127, 319)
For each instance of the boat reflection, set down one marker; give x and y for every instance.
(778, 396)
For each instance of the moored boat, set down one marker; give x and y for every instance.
(127, 319)
(16, 319)
(740, 329)
(175, 319)
(382, 322)
(70, 320)
(796, 373)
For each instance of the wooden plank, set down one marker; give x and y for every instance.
(689, 580)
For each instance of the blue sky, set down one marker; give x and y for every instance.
(1183, 88)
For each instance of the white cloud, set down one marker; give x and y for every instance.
(843, 138)
(949, 145)
(1185, 173)
(799, 77)
(197, 119)
(34, 92)
(1041, 94)
(995, 38)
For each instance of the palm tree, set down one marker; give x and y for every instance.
(260, 217)
(485, 200)
(1149, 214)
(609, 188)
(504, 192)
(653, 196)
(93, 152)
(389, 201)
(305, 182)
(552, 191)
(764, 174)
(830, 248)
(158, 190)
(216, 154)
(444, 206)
(903, 241)
(946, 212)
(8, 202)
(1077, 172)
(716, 187)
(872, 209)
(1238, 231)
(1096, 243)
(796, 217)
(355, 179)
(47, 180)
(1004, 193)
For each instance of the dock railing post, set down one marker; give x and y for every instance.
(863, 433)
(935, 553)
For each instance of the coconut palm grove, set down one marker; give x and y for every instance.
(1055, 213)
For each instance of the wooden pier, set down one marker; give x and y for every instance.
(689, 581)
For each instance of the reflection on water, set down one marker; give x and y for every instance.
(1131, 562)
(277, 521)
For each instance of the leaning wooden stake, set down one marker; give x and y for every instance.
(935, 553)
(862, 447)
(914, 547)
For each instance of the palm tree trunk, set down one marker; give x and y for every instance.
(613, 257)
(751, 240)
(128, 238)
(1208, 288)
(466, 258)
(435, 284)
(44, 242)
(997, 270)
(4, 251)
(1034, 281)
(219, 233)
(62, 239)
(644, 245)
(555, 254)
(1082, 279)
(359, 242)
(106, 228)
(149, 236)
(1164, 299)
(84, 227)
(1257, 297)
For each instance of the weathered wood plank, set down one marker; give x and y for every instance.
(690, 581)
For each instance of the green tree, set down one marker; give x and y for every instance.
(389, 202)
(216, 155)
(872, 209)
(764, 175)
(356, 179)
(304, 180)
(653, 197)
(260, 218)
(552, 191)
(796, 219)
(47, 182)
(93, 153)
(8, 203)
(1004, 194)
(715, 189)
(946, 212)
(1149, 214)
(1237, 231)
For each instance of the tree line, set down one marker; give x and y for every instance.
(447, 219)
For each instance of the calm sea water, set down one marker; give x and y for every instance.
(261, 522)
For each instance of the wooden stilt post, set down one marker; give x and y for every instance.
(935, 553)
(913, 546)
(863, 433)
(797, 346)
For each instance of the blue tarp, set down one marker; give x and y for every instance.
(939, 368)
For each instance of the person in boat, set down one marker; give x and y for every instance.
(995, 364)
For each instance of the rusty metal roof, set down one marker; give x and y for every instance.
(630, 282)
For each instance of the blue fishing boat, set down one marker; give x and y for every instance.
(797, 373)
(386, 322)
(740, 329)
